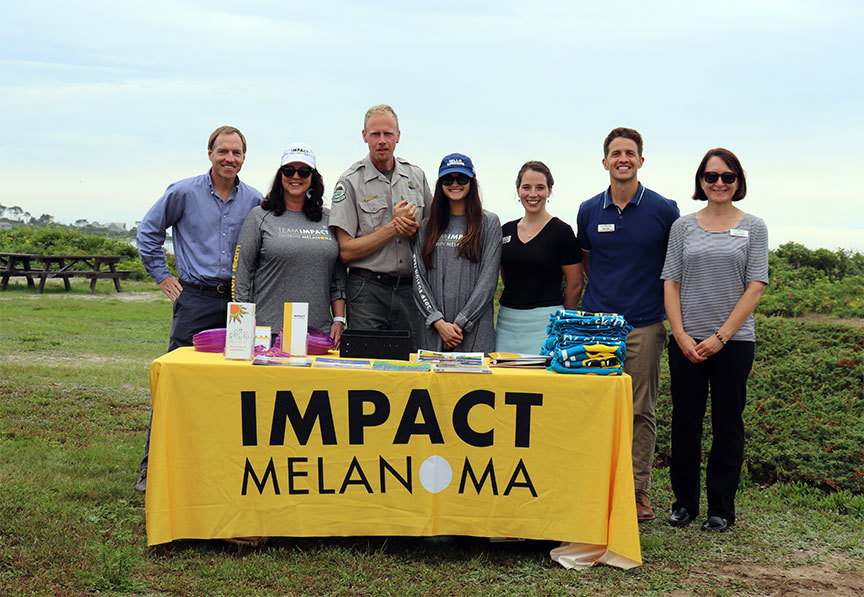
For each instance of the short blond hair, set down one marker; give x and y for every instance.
(380, 109)
(225, 130)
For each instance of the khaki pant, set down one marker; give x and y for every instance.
(644, 350)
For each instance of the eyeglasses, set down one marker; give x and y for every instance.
(450, 179)
(711, 177)
(302, 172)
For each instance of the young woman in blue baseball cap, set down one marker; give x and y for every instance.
(456, 261)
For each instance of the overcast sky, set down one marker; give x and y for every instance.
(105, 103)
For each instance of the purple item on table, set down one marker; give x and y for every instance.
(317, 342)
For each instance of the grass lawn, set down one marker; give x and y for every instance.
(74, 406)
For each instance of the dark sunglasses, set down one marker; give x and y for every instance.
(711, 177)
(302, 172)
(450, 179)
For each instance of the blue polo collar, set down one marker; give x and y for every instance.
(637, 198)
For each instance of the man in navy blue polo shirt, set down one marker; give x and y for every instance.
(623, 233)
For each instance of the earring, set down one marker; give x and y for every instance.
(309, 194)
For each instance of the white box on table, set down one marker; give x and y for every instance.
(295, 324)
(240, 331)
(263, 336)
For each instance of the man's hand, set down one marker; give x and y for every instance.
(405, 226)
(405, 219)
(171, 287)
(405, 209)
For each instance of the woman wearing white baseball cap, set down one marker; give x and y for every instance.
(456, 262)
(287, 253)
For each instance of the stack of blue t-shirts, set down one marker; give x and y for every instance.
(586, 343)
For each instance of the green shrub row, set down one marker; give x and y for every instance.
(804, 417)
(66, 240)
(804, 281)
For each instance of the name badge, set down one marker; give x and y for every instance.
(605, 227)
(505, 240)
(369, 198)
(739, 232)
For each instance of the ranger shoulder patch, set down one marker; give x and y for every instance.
(339, 192)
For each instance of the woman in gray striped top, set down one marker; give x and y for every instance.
(715, 273)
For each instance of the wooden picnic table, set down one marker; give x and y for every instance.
(31, 266)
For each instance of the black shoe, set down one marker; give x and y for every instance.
(141, 484)
(716, 523)
(680, 518)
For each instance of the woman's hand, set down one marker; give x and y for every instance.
(451, 334)
(336, 333)
(688, 347)
(708, 346)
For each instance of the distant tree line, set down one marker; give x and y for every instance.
(12, 217)
(59, 239)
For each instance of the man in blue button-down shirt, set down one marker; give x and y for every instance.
(205, 214)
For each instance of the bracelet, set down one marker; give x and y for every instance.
(339, 319)
(719, 337)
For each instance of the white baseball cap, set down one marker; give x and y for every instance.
(299, 152)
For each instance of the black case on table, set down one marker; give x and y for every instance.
(376, 344)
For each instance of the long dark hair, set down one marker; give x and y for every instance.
(312, 205)
(439, 217)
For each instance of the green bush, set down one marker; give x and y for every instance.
(804, 281)
(66, 240)
(804, 417)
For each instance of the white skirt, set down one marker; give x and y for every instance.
(522, 330)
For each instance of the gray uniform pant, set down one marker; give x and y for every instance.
(374, 304)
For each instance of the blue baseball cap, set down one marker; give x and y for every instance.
(456, 162)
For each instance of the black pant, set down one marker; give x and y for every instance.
(377, 305)
(725, 373)
(194, 311)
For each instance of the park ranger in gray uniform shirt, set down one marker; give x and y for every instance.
(376, 210)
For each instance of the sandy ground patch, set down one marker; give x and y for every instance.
(833, 575)
(820, 579)
(121, 296)
(53, 358)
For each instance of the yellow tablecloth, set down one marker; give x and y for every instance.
(242, 450)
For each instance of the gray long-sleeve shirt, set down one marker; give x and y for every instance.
(288, 258)
(458, 290)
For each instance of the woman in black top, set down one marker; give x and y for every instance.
(541, 266)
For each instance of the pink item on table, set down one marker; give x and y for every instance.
(318, 342)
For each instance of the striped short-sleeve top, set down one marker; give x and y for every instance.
(713, 269)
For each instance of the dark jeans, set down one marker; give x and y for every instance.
(373, 305)
(725, 375)
(194, 311)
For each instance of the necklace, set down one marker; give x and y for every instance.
(537, 229)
